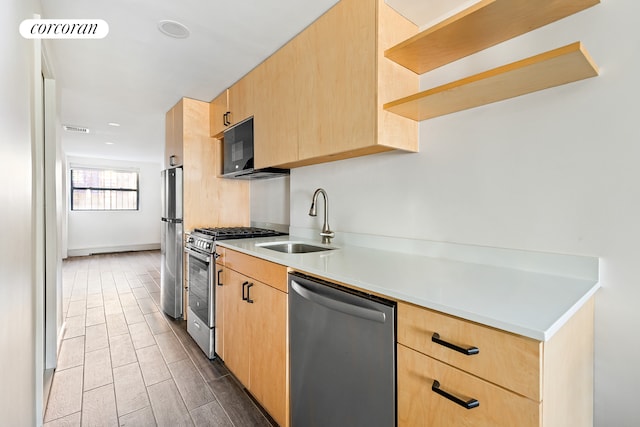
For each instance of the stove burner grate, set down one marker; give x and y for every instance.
(222, 233)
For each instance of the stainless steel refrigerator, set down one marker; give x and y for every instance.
(171, 243)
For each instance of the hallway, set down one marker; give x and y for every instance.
(122, 362)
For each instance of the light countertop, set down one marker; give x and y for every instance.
(534, 304)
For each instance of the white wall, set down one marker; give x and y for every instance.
(270, 200)
(17, 285)
(554, 171)
(112, 231)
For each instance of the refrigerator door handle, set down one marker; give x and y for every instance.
(172, 220)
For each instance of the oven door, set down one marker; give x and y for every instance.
(201, 282)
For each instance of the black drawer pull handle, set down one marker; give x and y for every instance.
(244, 285)
(249, 300)
(467, 404)
(470, 351)
(219, 283)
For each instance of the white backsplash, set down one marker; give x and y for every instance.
(270, 201)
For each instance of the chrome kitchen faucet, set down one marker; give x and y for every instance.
(326, 233)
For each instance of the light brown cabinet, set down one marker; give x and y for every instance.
(254, 329)
(330, 83)
(219, 114)
(174, 128)
(233, 105)
(208, 201)
(277, 108)
(319, 98)
(514, 380)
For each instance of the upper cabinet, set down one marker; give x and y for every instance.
(276, 121)
(219, 114)
(319, 98)
(233, 105)
(340, 81)
(173, 147)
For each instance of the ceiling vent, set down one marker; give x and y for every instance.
(75, 129)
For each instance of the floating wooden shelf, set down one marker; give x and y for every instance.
(553, 68)
(478, 27)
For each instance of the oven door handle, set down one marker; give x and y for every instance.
(198, 255)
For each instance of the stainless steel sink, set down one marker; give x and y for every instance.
(294, 247)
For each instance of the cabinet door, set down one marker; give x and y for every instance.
(268, 381)
(340, 113)
(277, 118)
(419, 405)
(217, 110)
(242, 98)
(237, 323)
(173, 148)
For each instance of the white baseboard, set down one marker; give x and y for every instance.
(111, 249)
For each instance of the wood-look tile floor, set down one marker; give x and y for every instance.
(124, 363)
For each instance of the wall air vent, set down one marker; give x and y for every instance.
(75, 129)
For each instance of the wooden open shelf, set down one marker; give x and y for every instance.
(553, 68)
(478, 27)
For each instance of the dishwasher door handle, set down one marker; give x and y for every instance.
(338, 305)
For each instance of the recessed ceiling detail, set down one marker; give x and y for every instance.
(173, 29)
(75, 129)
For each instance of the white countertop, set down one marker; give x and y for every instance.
(530, 303)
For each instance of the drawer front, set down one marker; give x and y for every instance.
(509, 360)
(419, 405)
(272, 274)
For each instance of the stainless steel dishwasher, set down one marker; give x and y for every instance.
(342, 356)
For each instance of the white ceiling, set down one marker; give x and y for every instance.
(135, 74)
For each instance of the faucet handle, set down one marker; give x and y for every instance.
(327, 236)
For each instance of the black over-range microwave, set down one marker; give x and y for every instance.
(238, 153)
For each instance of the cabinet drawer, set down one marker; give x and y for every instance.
(275, 275)
(419, 405)
(509, 360)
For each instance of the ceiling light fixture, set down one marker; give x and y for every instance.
(114, 124)
(109, 143)
(173, 29)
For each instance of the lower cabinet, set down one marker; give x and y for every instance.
(255, 335)
(452, 372)
(420, 405)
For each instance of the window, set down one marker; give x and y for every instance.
(103, 190)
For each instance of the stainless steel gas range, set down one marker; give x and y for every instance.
(200, 248)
